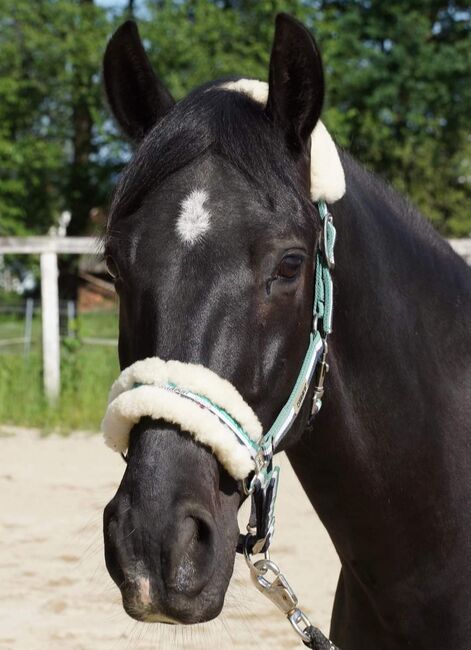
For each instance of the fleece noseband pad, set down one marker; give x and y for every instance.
(189, 395)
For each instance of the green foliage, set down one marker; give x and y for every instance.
(399, 92)
(87, 374)
(194, 41)
(50, 53)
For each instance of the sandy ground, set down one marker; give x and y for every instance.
(54, 588)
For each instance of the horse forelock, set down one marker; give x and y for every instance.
(211, 119)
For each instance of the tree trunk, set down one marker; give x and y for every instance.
(80, 184)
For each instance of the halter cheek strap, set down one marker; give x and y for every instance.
(263, 487)
(214, 413)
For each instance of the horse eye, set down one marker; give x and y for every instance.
(289, 267)
(111, 267)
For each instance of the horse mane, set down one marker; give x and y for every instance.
(408, 242)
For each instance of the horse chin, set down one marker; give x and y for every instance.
(142, 603)
(177, 609)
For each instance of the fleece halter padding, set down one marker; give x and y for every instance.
(191, 396)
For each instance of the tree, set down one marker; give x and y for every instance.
(51, 113)
(397, 74)
(400, 97)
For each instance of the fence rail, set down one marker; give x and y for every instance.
(462, 247)
(40, 245)
(48, 248)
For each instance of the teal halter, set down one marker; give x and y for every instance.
(262, 483)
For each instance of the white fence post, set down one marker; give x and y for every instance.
(50, 325)
(47, 248)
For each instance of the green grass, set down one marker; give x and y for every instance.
(13, 326)
(86, 375)
(99, 323)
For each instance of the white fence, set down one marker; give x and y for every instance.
(462, 247)
(48, 248)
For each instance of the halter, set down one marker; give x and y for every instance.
(200, 402)
(213, 411)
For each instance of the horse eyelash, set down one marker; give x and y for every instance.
(269, 283)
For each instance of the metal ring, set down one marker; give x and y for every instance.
(265, 565)
(248, 558)
(325, 243)
(294, 618)
(247, 491)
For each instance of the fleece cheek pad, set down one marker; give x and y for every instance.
(191, 396)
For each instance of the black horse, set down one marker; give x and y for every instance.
(387, 462)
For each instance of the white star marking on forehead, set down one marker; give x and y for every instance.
(194, 218)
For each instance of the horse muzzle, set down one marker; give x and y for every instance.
(163, 548)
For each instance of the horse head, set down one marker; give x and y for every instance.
(211, 241)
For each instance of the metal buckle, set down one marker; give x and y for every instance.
(319, 378)
(330, 261)
(260, 461)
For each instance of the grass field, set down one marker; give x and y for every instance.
(86, 375)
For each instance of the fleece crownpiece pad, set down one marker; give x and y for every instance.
(327, 174)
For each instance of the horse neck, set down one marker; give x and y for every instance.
(396, 357)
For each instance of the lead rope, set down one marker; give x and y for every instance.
(265, 574)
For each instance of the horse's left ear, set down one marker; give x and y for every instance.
(296, 82)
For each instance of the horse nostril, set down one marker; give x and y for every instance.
(204, 533)
(113, 532)
(190, 562)
(194, 531)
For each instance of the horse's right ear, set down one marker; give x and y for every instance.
(136, 96)
(296, 82)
